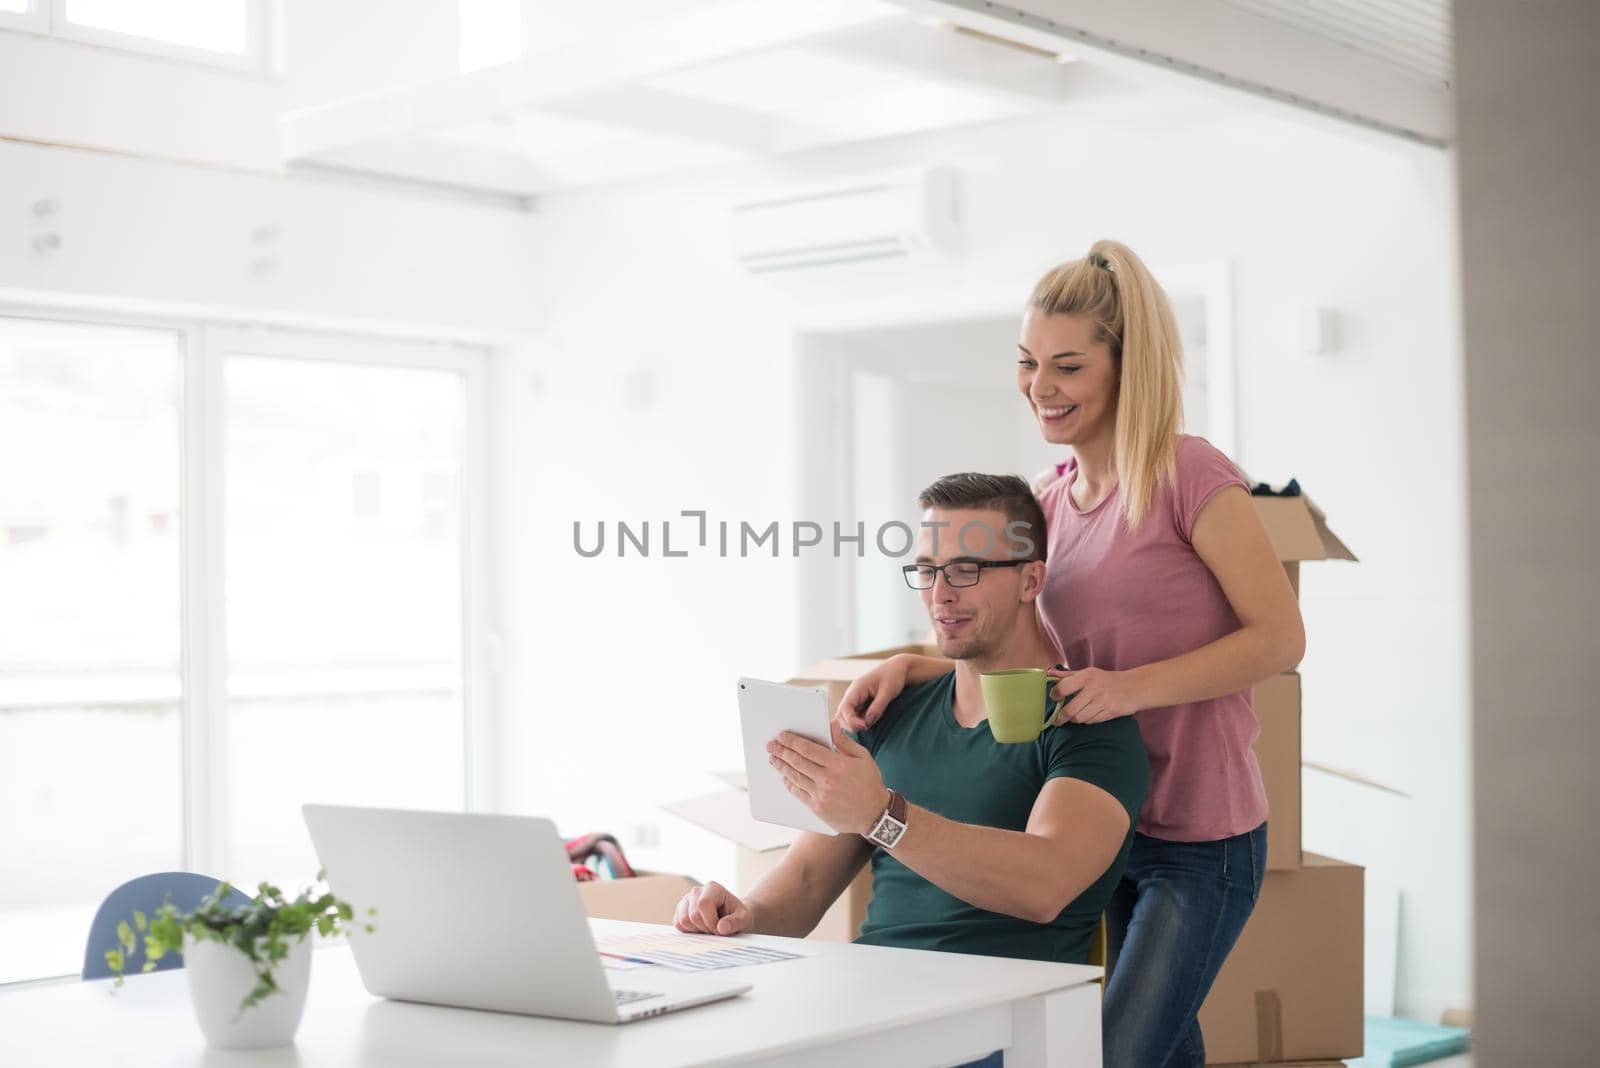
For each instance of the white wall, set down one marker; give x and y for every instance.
(639, 285)
(68, 93)
(663, 383)
(150, 234)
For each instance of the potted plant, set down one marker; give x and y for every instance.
(249, 965)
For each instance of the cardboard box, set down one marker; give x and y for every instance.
(648, 897)
(1299, 531)
(761, 846)
(837, 674)
(1277, 749)
(1291, 990)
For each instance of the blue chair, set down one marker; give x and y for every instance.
(186, 889)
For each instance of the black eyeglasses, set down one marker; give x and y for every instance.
(958, 574)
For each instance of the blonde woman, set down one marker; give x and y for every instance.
(1164, 597)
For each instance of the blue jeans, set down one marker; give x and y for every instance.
(997, 1059)
(1169, 926)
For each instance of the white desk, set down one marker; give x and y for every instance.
(843, 1005)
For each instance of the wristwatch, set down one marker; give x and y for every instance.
(892, 824)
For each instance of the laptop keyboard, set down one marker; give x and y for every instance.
(628, 997)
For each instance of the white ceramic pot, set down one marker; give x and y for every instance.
(220, 977)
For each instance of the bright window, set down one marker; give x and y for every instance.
(234, 579)
(490, 32)
(211, 25)
(344, 594)
(235, 34)
(91, 764)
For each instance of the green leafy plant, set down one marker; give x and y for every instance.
(260, 929)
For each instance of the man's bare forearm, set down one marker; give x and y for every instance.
(791, 898)
(1011, 872)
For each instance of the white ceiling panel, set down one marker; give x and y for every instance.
(1383, 64)
(697, 83)
(738, 79)
(790, 82)
(1412, 35)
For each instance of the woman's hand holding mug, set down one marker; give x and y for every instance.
(1097, 695)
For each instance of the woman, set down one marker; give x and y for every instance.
(1164, 597)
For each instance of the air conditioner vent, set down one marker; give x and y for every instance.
(909, 215)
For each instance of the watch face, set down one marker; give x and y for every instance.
(888, 832)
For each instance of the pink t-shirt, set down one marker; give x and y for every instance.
(1116, 600)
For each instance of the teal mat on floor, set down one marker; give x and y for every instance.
(1394, 1043)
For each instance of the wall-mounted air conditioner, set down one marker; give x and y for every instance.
(899, 216)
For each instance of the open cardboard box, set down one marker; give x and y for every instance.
(837, 674)
(647, 897)
(1299, 531)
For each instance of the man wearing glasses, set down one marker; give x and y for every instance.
(979, 847)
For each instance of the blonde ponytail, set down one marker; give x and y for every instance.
(1112, 288)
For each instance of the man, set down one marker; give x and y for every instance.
(1005, 850)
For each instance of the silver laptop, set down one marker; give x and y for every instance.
(482, 912)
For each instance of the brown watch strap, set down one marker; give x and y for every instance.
(897, 805)
(891, 825)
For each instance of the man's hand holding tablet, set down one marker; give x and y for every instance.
(802, 770)
(768, 710)
(841, 785)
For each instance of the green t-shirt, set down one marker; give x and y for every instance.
(963, 774)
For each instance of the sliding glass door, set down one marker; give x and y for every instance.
(241, 569)
(91, 755)
(343, 584)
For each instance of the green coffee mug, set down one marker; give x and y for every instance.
(1016, 699)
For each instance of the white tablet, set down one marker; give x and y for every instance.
(766, 710)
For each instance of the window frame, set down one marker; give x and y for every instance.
(215, 342)
(203, 705)
(262, 56)
(36, 19)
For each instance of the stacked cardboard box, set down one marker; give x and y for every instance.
(1291, 990)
